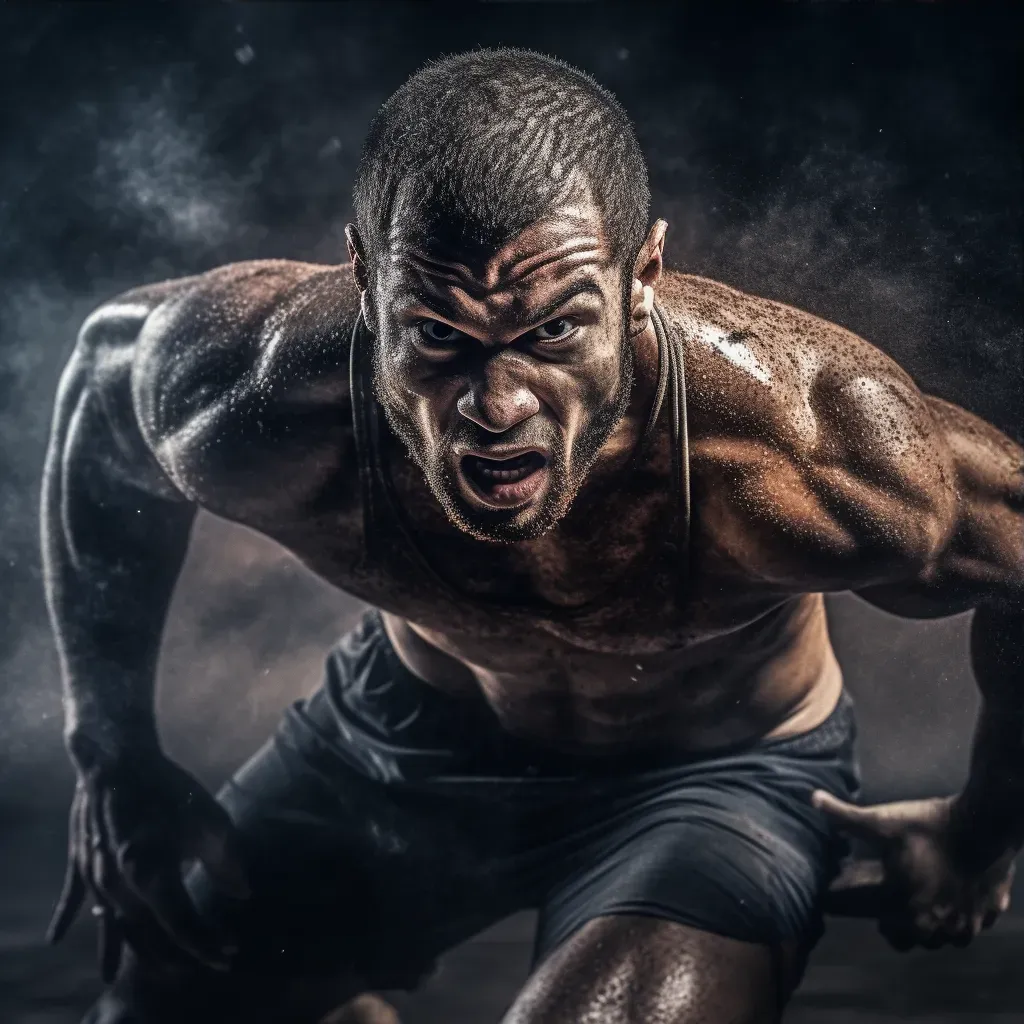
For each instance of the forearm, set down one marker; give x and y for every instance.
(111, 555)
(990, 811)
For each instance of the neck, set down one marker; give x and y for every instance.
(619, 453)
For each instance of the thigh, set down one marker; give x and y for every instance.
(733, 849)
(640, 970)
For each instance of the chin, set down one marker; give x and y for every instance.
(520, 528)
(499, 525)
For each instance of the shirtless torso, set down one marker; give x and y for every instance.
(815, 465)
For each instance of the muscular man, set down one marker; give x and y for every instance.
(594, 506)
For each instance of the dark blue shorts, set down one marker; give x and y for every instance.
(386, 822)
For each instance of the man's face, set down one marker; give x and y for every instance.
(505, 378)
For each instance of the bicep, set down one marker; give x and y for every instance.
(102, 485)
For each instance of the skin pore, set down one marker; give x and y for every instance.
(512, 381)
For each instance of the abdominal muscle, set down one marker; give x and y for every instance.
(768, 680)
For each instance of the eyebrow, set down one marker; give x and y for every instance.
(537, 316)
(586, 287)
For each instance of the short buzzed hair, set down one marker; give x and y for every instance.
(477, 146)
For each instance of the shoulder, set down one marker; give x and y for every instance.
(211, 367)
(854, 461)
(797, 373)
(263, 324)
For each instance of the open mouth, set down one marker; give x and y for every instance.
(505, 482)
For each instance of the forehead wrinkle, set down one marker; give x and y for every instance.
(425, 266)
(508, 309)
(575, 253)
(453, 303)
(497, 278)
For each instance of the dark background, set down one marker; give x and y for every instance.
(862, 162)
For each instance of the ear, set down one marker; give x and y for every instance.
(646, 275)
(361, 273)
(357, 256)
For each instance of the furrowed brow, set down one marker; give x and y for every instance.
(437, 304)
(542, 313)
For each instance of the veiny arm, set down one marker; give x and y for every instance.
(981, 566)
(225, 390)
(948, 863)
(228, 391)
(114, 536)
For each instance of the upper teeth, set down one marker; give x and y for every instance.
(507, 469)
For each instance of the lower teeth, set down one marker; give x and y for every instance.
(503, 474)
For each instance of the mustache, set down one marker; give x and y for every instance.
(529, 434)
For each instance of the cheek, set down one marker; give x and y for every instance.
(594, 385)
(415, 384)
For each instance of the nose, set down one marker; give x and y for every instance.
(496, 400)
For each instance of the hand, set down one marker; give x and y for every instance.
(132, 826)
(931, 897)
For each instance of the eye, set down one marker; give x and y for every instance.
(439, 334)
(556, 330)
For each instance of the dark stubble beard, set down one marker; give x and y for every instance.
(565, 474)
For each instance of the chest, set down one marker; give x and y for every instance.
(610, 579)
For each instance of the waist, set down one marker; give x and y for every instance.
(376, 716)
(579, 703)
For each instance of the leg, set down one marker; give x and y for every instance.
(297, 932)
(700, 898)
(642, 970)
(359, 881)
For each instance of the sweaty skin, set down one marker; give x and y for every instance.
(816, 466)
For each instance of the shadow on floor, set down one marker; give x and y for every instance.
(853, 978)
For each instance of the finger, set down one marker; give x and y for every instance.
(108, 891)
(72, 897)
(73, 891)
(868, 823)
(219, 848)
(102, 874)
(859, 874)
(858, 890)
(989, 919)
(110, 944)
(160, 887)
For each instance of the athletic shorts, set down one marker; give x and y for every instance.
(385, 822)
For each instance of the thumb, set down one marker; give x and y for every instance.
(867, 823)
